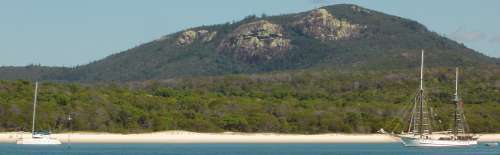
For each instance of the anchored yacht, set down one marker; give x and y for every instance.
(38, 138)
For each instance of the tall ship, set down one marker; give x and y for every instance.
(37, 138)
(419, 132)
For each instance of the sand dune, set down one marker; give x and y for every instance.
(227, 137)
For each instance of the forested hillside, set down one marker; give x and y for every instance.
(309, 101)
(343, 37)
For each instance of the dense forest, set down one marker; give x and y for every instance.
(309, 101)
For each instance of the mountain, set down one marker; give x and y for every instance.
(340, 37)
(312, 78)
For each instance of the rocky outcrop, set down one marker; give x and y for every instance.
(360, 9)
(256, 41)
(206, 35)
(320, 24)
(190, 36)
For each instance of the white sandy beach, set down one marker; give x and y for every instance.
(227, 137)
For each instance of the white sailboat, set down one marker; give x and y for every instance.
(419, 133)
(37, 138)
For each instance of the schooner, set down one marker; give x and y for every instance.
(419, 131)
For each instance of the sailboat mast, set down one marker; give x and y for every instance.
(457, 102)
(34, 108)
(422, 72)
(421, 102)
(456, 85)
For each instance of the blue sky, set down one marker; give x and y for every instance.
(71, 32)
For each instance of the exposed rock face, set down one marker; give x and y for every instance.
(207, 35)
(320, 24)
(360, 9)
(260, 40)
(189, 36)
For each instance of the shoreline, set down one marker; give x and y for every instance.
(185, 137)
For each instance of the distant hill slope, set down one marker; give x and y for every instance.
(344, 37)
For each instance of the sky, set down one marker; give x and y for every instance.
(76, 32)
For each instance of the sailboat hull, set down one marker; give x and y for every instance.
(418, 142)
(38, 141)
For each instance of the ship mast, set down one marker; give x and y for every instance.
(422, 72)
(458, 123)
(455, 122)
(421, 96)
(420, 123)
(34, 108)
(456, 85)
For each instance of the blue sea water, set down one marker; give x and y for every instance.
(239, 149)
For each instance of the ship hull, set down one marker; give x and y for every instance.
(38, 141)
(419, 142)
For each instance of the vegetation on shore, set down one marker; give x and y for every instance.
(312, 101)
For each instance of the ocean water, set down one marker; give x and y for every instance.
(239, 149)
